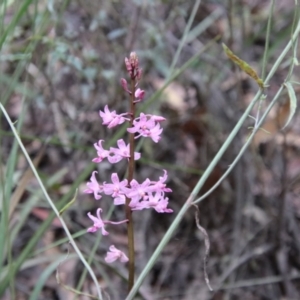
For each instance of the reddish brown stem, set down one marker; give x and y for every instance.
(131, 165)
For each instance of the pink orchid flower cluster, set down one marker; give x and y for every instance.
(145, 195)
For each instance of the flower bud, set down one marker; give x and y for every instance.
(124, 85)
(139, 94)
(132, 65)
(128, 65)
(134, 61)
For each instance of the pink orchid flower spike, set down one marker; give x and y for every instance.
(115, 254)
(148, 194)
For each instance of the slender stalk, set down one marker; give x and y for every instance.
(130, 232)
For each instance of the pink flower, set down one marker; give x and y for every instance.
(157, 118)
(160, 186)
(111, 118)
(94, 187)
(113, 254)
(154, 133)
(141, 124)
(147, 127)
(98, 223)
(139, 95)
(102, 153)
(119, 200)
(122, 152)
(158, 202)
(138, 191)
(116, 188)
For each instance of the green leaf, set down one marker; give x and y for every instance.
(293, 102)
(69, 203)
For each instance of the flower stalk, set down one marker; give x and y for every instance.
(131, 167)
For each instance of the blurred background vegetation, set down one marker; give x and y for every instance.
(62, 61)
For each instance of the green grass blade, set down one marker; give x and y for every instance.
(15, 21)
